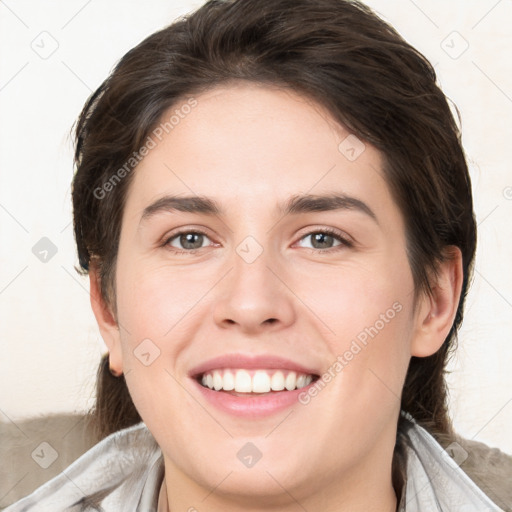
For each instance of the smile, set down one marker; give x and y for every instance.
(254, 381)
(252, 385)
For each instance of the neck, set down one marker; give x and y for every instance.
(364, 490)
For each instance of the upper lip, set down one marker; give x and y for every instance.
(245, 361)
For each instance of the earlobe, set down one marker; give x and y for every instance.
(436, 312)
(106, 321)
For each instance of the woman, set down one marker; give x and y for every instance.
(274, 209)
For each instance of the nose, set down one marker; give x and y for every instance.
(253, 297)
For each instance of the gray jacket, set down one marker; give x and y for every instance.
(124, 472)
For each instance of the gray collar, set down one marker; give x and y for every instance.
(434, 480)
(126, 470)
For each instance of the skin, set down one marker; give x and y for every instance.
(251, 147)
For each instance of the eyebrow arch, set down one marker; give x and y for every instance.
(302, 203)
(307, 203)
(190, 204)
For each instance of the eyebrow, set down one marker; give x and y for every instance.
(302, 203)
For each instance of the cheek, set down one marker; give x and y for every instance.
(157, 302)
(368, 313)
(156, 306)
(357, 300)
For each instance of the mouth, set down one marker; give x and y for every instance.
(252, 386)
(250, 382)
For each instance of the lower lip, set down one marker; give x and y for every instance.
(252, 406)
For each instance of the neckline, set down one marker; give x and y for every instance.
(163, 505)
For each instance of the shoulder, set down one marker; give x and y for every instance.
(454, 472)
(125, 467)
(490, 469)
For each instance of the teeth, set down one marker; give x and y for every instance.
(291, 381)
(261, 382)
(217, 380)
(256, 381)
(277, 383)
(301, 381)
(243, 382)
(228, 381)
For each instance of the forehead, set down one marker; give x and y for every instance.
(248, 144)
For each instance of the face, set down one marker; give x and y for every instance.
(265, 330)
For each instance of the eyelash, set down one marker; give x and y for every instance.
(344, 241)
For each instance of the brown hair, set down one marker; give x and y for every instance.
(335, 52)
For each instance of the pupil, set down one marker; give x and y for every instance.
(322, 238)
(187, 240)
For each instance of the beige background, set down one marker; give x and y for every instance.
(49, 339)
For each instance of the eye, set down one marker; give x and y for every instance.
(323, 240)
(326, 239)
(187, 240)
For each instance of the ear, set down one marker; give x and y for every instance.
(106, 321)
(435, 313)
